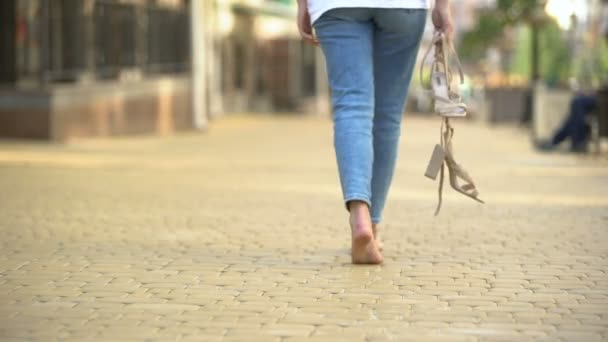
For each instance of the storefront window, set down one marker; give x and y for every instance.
(28, 40)
(69, 40)
(168, 40)
(115, 32)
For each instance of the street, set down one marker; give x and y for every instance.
(239, 234)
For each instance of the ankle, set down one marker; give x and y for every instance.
(360, 219)
(356, 207)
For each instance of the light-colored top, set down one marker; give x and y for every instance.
(317, 7)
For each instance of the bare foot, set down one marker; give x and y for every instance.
(364, 249)
(377, 238)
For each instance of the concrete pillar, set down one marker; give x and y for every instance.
(199, 52)
(214, 65)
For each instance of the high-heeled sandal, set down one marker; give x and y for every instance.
(447, 101)
(455, 170)
(448, 104)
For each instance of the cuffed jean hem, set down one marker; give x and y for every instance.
(357, 198)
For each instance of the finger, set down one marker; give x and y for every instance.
(449, 32)
(437, 20)
(309, 38)
(445, 29)
(305, 35)
(440, 27)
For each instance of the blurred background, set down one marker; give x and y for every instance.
(83, 68)
(167, 172)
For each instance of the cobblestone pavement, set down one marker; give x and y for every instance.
(239, 234)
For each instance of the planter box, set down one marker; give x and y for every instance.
(62, 112)
(506, 105)
(551, 108)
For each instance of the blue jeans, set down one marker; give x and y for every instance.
(575, 126)
(370, 54)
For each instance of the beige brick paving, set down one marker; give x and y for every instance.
(239, 235)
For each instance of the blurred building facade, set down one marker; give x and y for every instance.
(265, 66)
(77, 68)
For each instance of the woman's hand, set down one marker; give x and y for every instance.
(442, 18)
(304, 24)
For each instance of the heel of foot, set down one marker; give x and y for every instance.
(362, 239)
(364, 250)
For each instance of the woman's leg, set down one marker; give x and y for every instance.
(396, 42)
(346, 36)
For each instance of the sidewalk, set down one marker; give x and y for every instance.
(239, 234)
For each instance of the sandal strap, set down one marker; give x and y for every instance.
(443, 54)
(447, 102)
(469, 189)
(436, 38)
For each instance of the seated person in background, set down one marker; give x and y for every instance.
(575, 126)
(590, 76)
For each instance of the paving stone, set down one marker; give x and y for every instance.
(239, 234)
